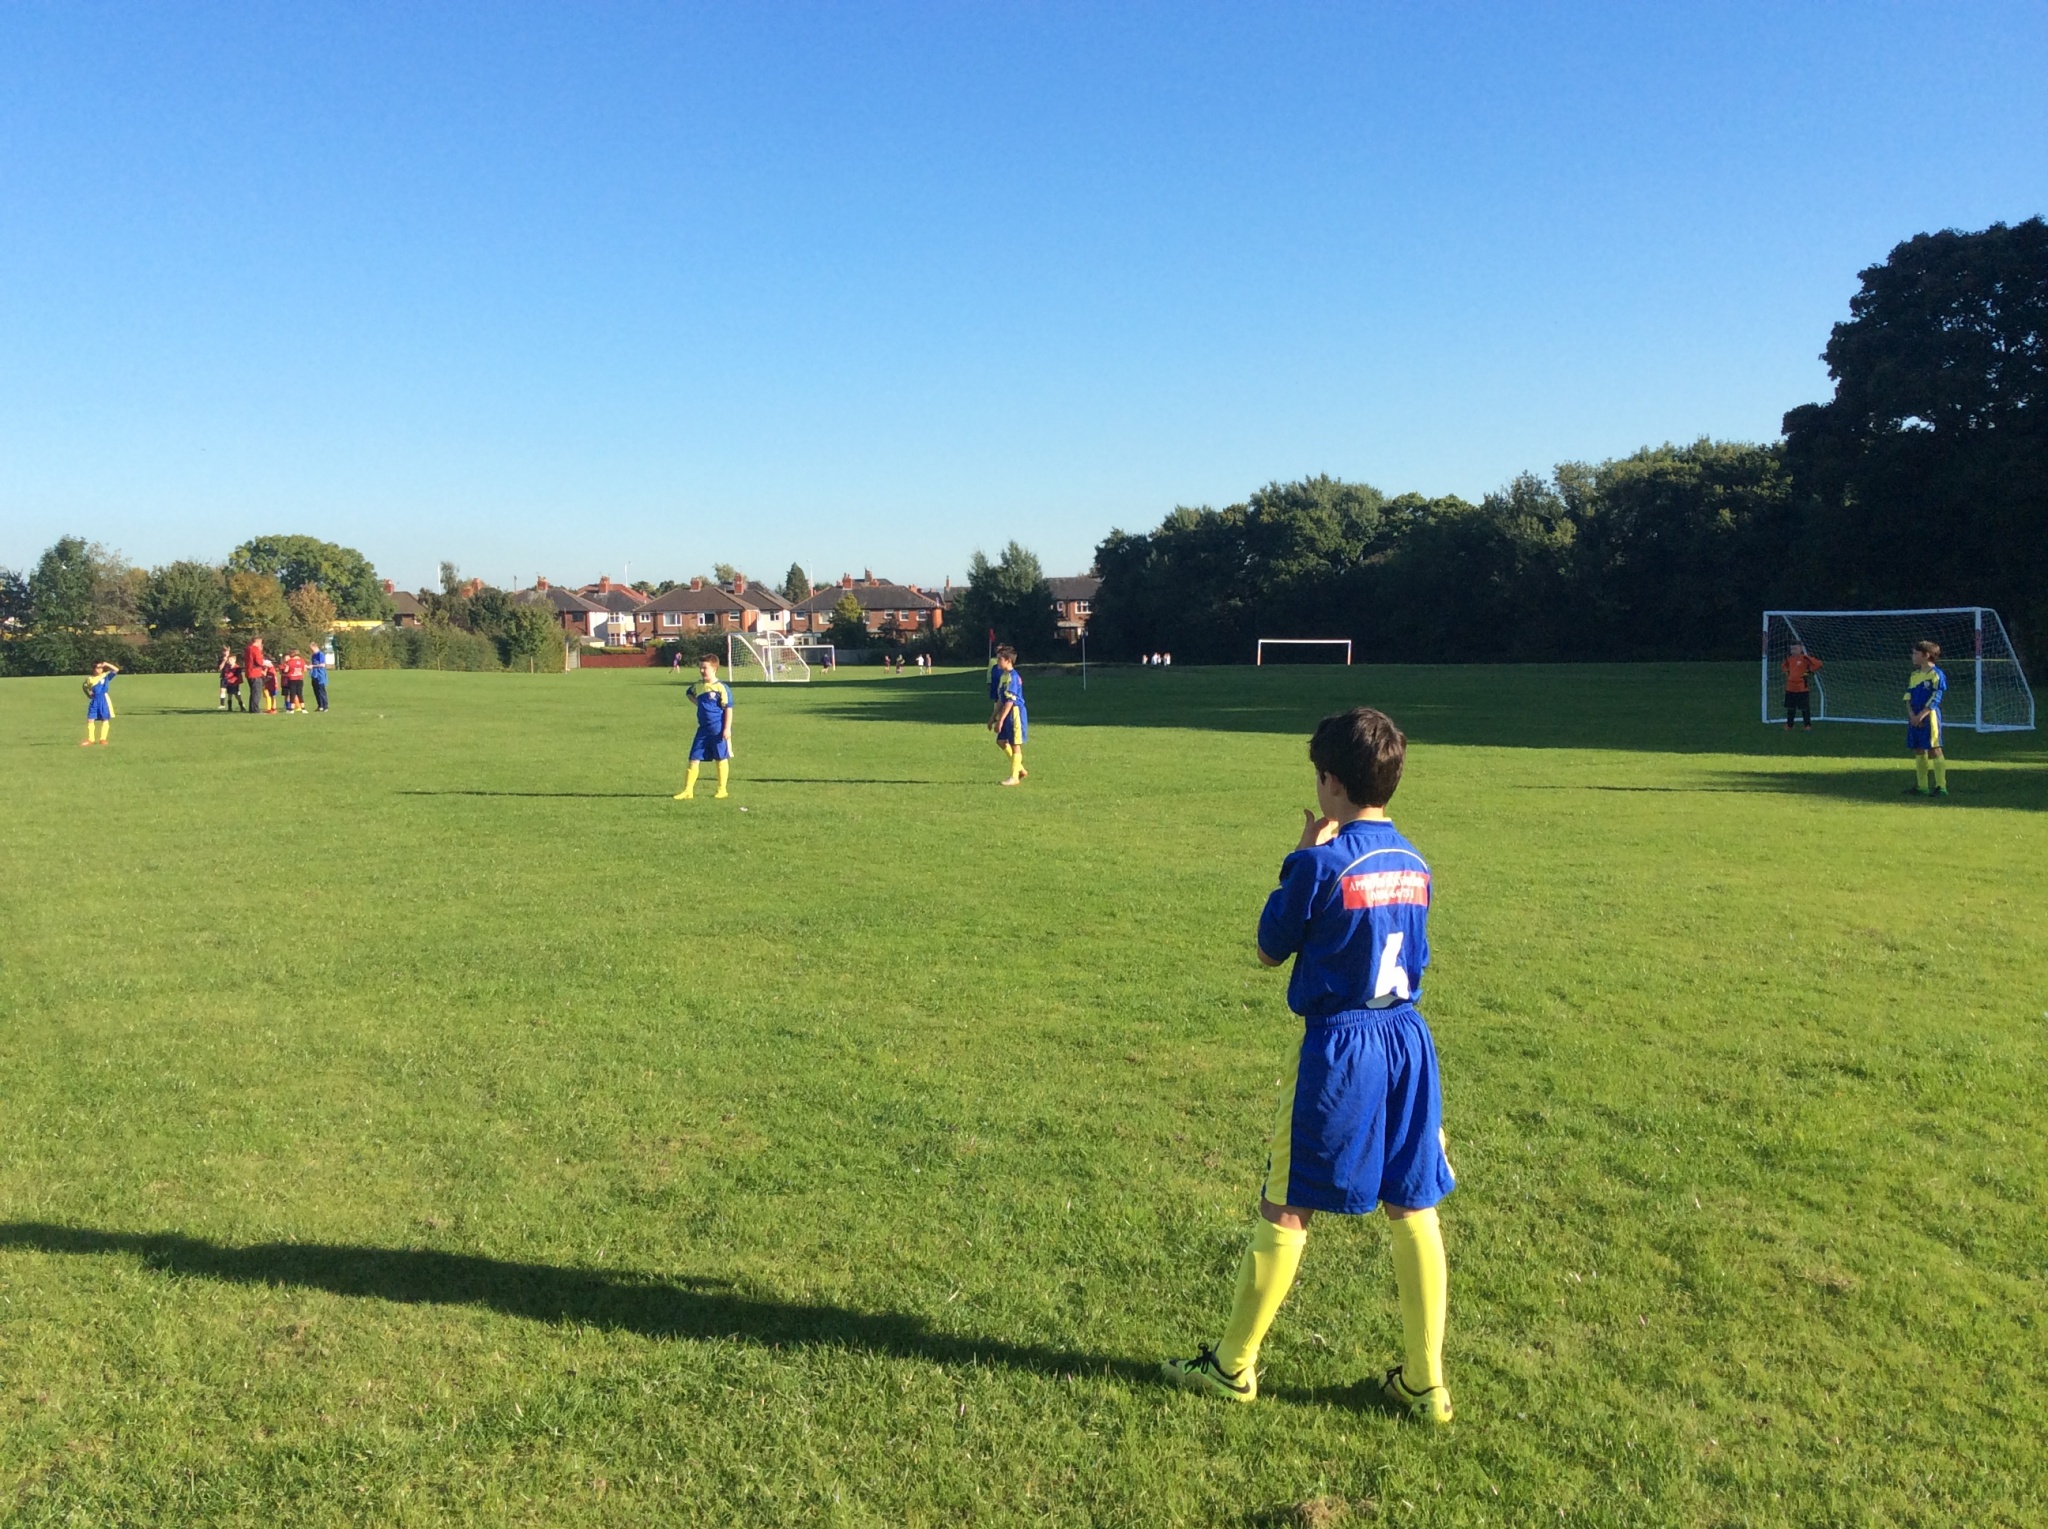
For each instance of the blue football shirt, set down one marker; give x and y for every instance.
(1925, 691)
(1354, 914)
(713, 702)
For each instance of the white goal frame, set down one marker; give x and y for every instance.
(1259, 659)
(780, 663)
(1984, 626)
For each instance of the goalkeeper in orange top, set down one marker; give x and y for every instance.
(1798, 665)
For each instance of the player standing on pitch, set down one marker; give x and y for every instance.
(1361, 1125)
(1925, 687)
(713, 698)
(1798, 665)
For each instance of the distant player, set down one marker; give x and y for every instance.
(1798, 665)
(316, 670)
(1010, 722)
(230, 680)
(99, 705)
(270, 683)
(714, 729)
(294, 682)
(1925, 687)
(253, 663)
(1362, 1121)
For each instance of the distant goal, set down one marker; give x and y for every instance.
(774, 662)
(1865, 657)
(1325, 650)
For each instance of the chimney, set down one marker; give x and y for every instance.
(739, 584)
(867, 577)
(390, 588)
(540, 584)
(604, 584)
(476, 587)
(697, 583)
(846, 581)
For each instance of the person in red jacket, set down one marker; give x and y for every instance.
(294, 681)
(253, 665)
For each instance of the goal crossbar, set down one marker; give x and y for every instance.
(1301, 642)
(779, 663)
(1865, 660)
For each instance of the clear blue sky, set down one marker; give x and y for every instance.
(551, 288)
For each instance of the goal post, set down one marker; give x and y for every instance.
(1865, 657)
(1259, 659)
(773, 661)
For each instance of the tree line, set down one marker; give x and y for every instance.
(1922, 482)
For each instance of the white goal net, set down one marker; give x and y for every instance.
(1866, 656)
(1304, 650)
(775, 661)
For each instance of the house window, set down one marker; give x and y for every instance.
(703, 618)
(1082, 608)
(670, 618)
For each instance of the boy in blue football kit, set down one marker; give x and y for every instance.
(714, 729)
(1925, 687)
(316, 670)
(1361, 1122)
(1009, 720)
(99, 705)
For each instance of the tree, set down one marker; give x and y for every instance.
(1011, 597)
(256, 604)
(15, 602)
(849, 626)
(725, 573)
(347, 576)
(796, 584)
(1924, 480)
(531, 638)
(312, 612)
(62, 585)
(184, 596)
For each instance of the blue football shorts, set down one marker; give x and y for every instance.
(1361, 1120)
(710, 744)
(1015, 727)
(1926, 736)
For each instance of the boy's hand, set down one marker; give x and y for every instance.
(1315, 830)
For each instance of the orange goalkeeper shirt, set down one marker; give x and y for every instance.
(1796, 668)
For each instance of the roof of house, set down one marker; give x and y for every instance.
(759, 596)
(405, 604)
(707, 597)
(563, 600)
(622, 601)
(1080, 587)
(871, 595)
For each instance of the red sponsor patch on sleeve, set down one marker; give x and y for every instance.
(1384, 889)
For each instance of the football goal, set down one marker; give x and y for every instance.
(774, 661)
(1865, 657)
(1328, 644)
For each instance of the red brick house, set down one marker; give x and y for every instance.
(688, 610)
(1073, 602)
(578, 617)
(621, 603)
(900, 610)
(406, 609)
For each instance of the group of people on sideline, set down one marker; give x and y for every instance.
(270, 681)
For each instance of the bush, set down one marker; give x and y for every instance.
(693, 647)
(64, 652)
(419, 647)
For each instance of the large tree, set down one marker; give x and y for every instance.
(1010, 597)
(796, 584)
(344, 573)
(185, 596)
(1925, 477)
(77, 585)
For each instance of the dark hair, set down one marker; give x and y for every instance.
(1006, 651)
(1362, 751)
(1931, 649)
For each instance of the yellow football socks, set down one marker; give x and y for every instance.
(1264, 1276)
(1940, 774)
(1423, 1281)
(724, 775)
(1920, 769)
(689, 783)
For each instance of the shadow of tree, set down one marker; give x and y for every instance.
(676, 1307)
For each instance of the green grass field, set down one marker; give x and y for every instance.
(412, 1115)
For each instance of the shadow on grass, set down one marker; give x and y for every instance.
(2024, 790)
(676, 1307)
(1698, 708)
(606, 796)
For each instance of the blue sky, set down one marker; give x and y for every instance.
(555, 289)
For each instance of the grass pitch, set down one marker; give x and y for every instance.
(412, 1115)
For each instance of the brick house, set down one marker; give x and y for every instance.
(621, 603)
(766, 611)
(1073, 602)
(578, 617)
(690, 609)
(406, 609)
(899, 610)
